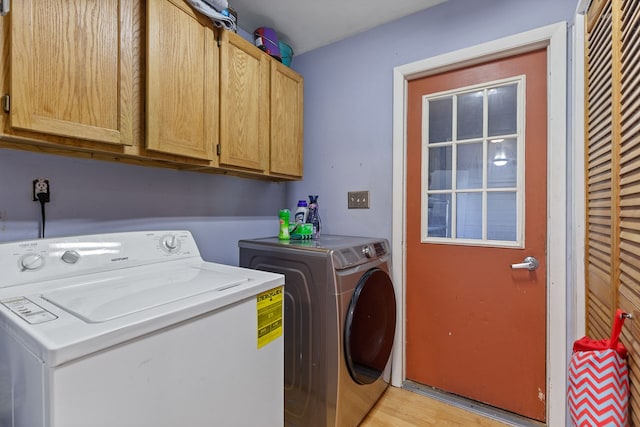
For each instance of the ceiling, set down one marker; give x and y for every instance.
(305, 25)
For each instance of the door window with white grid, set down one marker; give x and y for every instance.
(473, 160)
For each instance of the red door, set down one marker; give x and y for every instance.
(476, 204)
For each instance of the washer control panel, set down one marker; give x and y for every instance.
(359, 254)
(51, 258)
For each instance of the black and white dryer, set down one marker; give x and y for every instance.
(339, 325)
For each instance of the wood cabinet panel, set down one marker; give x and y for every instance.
(182, 71)
(244, 104)
(72, 69)
(286, 121)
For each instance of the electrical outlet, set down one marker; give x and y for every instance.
(41, 186)
(358, 200)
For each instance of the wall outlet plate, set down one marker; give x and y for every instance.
(358, 200)
(41, 185)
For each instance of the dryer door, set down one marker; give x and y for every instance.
(370, 326)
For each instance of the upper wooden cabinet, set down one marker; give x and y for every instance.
(261, 110)
(244, 104)
(71, 68)
(148, 82)
(286, 121)
(182, 75)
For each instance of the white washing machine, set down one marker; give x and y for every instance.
(340, 317)
(136, 330)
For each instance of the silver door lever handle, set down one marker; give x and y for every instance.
(530, 263)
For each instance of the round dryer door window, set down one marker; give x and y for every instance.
(370, 326)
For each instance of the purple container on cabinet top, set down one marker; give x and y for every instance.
(267, 39)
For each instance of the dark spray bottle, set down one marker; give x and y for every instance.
(313, 216)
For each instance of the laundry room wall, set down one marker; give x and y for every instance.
(90, 196)
(348, 99)
(348, 145)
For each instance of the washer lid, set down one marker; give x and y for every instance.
(96, 301)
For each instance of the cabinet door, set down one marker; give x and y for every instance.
(244, 104)
(72, 68)
(182, 76)
(286, 121)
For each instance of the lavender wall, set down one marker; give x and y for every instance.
(90, 196)
(348, 104)
(348, 99)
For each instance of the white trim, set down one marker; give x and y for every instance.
(578, 181)
(554, 38)
(581, 9)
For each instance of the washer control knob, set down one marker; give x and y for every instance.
(366, 251)
(170, 243)
(31, 262)
(70, 257)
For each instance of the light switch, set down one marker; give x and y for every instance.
(358, 200)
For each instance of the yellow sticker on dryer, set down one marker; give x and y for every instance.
(270, 315)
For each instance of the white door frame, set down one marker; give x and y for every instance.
(554, 38)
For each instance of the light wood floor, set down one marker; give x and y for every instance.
(403, 408)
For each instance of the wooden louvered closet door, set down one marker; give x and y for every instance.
(600, 175)
(613, 175)
(629, 197)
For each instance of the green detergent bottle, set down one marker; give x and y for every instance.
(284, 215)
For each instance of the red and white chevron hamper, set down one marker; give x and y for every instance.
(598, 392)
